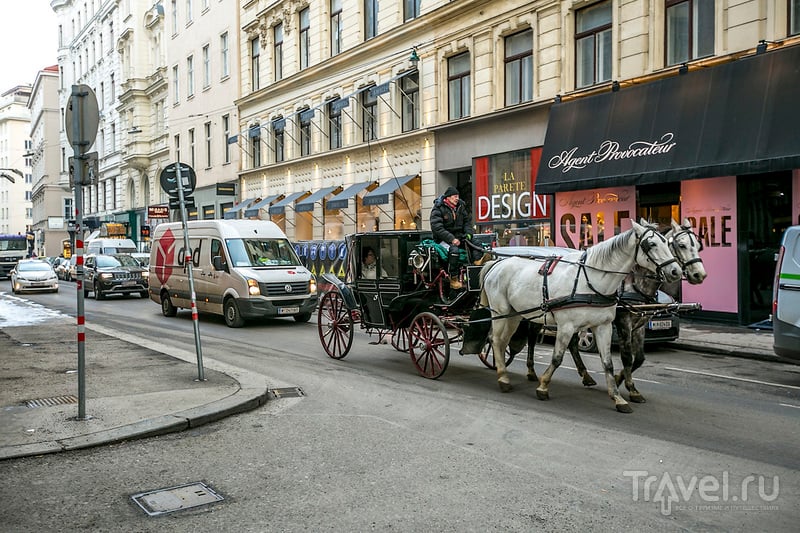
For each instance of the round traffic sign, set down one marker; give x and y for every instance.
(169, 179)
(87, 114)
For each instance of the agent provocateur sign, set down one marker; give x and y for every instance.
(610, 151)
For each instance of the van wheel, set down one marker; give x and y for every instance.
(233, 318)
(98, 294)
(167, 309)
(302, 317)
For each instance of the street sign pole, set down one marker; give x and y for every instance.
(81, 120)
(188, 264)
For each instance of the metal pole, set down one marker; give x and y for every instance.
(78, 149)
(188, 264)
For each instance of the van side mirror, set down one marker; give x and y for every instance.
(217, 262)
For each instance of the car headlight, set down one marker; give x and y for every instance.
(252, 287)
(312, 286)
(145, 275)
(106, 275)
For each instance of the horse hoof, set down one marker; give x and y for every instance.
(624, 408)
(589, 382)
(636, 397)
(542, 394)
(505, 387)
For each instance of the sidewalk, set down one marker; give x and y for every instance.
(136, 388)
(133, 389)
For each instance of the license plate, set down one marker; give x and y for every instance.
(288, 310)
(128, 283)
(660, 324)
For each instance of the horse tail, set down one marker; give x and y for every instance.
(485, 270)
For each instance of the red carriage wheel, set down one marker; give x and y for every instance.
(487, 356)
(400, 339)
(335, 325)
(429, 345)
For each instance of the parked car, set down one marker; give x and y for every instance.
(662, 327)
(786, 297)
(114, 274)
(33, 275)
(62, 268)
(142, 257)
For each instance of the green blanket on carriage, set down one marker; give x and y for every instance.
(442, 251)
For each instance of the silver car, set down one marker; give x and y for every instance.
(33, 275)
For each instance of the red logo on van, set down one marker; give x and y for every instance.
(165, 256)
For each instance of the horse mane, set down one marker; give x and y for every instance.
(603, 252)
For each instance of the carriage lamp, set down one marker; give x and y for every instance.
(252, 287)
(312, 286)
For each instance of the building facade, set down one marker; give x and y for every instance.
(51, 199)
(202, 70)
(15, 161)
(344, 98)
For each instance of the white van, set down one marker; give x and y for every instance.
(241, 269)
(786, 297)
(109, 245)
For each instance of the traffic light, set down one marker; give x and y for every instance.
(145, 233)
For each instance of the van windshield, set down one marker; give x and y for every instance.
(262, 252)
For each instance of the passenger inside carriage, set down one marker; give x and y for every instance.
(369, 264)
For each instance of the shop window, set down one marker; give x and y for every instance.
(689, 30)
(519, 67)
(304, 226)
(408, 205)
(794, 17)
(459, 83)
(593, 45)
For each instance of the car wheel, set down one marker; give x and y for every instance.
(98, 294)
(143, 294)
(586, 341)
(233, 318)
(167, 308)
(302, 317)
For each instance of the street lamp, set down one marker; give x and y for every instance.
(11, 178)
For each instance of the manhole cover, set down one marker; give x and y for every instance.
(48, 402)
(163, 501)
(288, 392)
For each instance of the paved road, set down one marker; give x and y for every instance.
(372, 446)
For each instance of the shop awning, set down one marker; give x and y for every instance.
(252, 211)
(278, 208)
(381, 194)
(342, 200)
(736, 118)
(308, 203)
(233, 211)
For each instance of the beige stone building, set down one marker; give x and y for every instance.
(52, 200)
(15, 161)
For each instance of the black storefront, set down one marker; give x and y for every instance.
(718, 145)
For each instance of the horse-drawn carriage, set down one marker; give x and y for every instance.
(408, 298)
(408, 303)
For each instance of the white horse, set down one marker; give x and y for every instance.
(639, 287)
(575, 291)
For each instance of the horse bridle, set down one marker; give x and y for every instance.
(686, 231)
(645, 245)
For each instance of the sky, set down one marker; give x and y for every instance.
(28, 40)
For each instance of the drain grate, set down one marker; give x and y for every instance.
(288, 392)
(163, 501)
(48, 402)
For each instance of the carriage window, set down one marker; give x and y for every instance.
(390, 257)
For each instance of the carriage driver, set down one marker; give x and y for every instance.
(451, 223)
